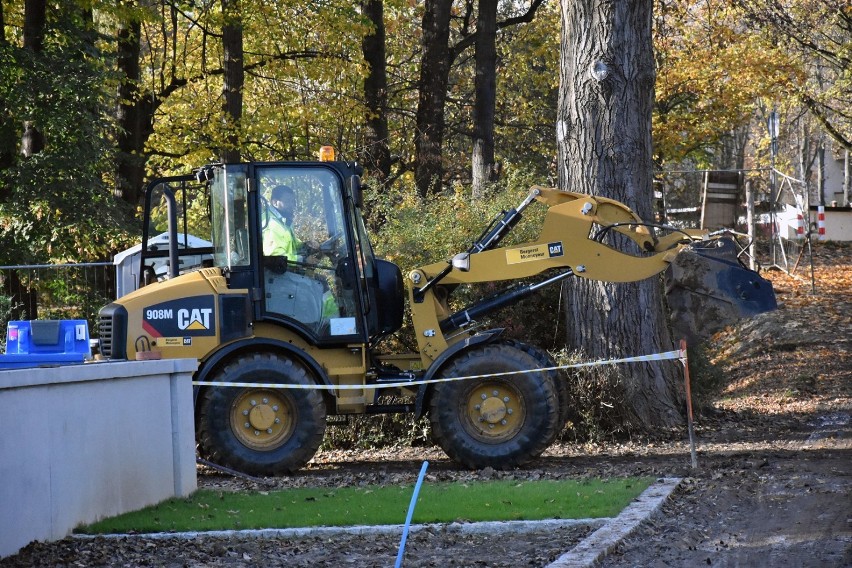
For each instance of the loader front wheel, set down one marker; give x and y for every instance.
(501, 421)
(545, 361)
(262, 430)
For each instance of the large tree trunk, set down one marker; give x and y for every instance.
(432, 87)
(482, 168)
(376, 158)
(133, 129)
(604, 148)
(35, 17)
(232, 47)
(8, 123)
(435, 63)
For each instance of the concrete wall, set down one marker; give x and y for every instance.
(82, 442)
(838, 223)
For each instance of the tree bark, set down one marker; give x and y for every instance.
(604, 148)
(436, 60)
(35, 16)
(485, 85)
(432, 88)
(234, 78)
(8, 128)
(134, 123)
(32, 141)
(376, 157)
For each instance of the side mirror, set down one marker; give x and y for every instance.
(356, 191)
(462, 261)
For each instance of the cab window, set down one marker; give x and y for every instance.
(306, 264)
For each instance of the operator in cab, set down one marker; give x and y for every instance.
(279, 240)
(278, 236)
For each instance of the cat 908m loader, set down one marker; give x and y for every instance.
(314, 320)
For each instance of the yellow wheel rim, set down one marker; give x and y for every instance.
(262, 419)
(495, 411)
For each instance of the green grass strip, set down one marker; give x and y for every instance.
(380, 505)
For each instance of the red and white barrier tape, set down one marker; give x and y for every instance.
(668, 355)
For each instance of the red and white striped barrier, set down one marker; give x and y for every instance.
(800, 225)
(821, 222)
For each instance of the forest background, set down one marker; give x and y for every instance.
(451, 106)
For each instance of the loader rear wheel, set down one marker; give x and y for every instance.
(502, 421)
(261, 431)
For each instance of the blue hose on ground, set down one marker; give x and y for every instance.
(410, 514)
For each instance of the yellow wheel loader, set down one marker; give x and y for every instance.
(314, 320)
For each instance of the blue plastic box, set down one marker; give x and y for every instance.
(38, 343)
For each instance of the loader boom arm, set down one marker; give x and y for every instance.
(576, 240)
(567, 241)
(571, 241)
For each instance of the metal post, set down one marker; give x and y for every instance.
(773, 125)
(820, 175)
(752, 232)
(684, 359)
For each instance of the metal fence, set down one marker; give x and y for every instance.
(787, 251)
(682, 197)
(55, 291)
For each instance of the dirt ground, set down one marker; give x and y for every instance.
(772, 486)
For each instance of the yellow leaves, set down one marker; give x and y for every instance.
(711, 70)
(421, 232)
(43, 211)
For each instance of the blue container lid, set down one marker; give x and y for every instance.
(27, 360)
(48, 337)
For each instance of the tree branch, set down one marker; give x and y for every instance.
(469, 40)
(813, 106)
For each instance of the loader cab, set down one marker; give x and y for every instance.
(293, 232)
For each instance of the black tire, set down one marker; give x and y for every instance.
(478, 428)
(545, 361)
(261, 431)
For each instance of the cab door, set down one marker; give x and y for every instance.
(307, 270)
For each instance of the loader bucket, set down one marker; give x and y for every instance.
(708, 289)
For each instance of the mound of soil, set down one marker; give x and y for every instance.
(774, 448)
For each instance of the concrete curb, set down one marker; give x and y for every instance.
(601, 542)
(493, 527)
